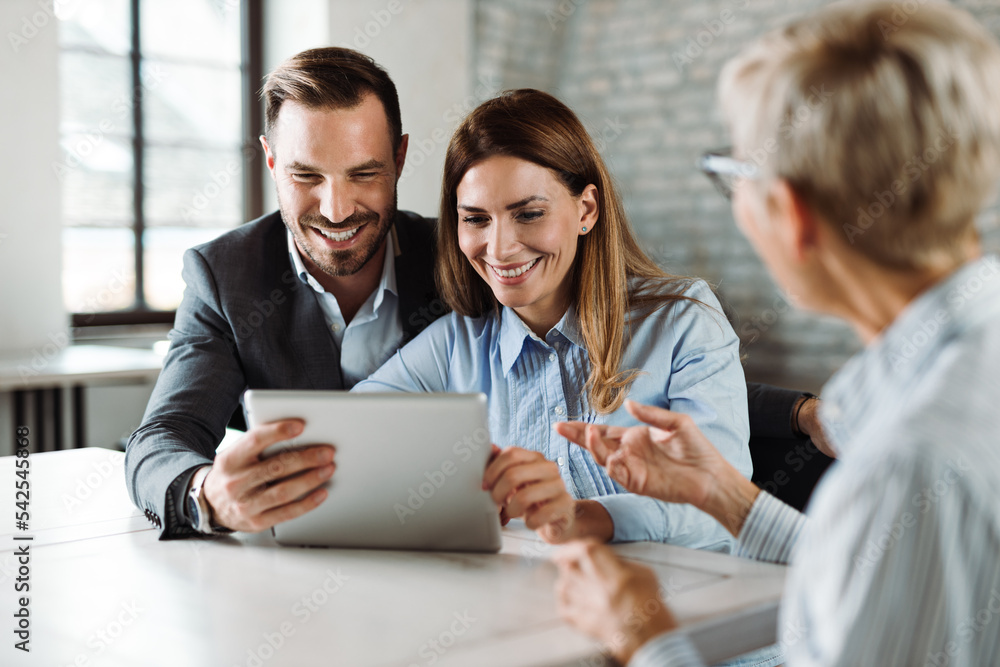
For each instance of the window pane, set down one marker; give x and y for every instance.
(192, 30)
(189, 187)
(186, 103)
(96, 177)
(95, 94)
(98, 269)
(98, 25)
(163, 253)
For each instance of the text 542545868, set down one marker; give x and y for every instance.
(22, 517)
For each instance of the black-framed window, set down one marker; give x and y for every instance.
(158, 125)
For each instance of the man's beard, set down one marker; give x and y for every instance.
(340, 263)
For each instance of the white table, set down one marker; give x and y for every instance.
(105, 591)
(50, 370)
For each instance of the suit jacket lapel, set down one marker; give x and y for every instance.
(419, 303)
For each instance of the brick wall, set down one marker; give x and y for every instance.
(641, 75)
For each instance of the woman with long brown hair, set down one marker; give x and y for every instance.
(558, 314)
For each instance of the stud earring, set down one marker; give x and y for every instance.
(584, 229)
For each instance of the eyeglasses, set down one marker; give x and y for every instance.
(725, 171)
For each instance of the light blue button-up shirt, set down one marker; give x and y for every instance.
(376, 330)
(689, 358)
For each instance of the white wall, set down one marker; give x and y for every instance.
(32, 316)
(426, 48)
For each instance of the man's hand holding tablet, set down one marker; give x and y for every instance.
(249, 494)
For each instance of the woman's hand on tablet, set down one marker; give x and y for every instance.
(249, 494)
(525, 484)
(504, 519)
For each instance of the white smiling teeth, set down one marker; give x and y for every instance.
(514, 273)
(334, 236)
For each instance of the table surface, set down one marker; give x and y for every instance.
(106, 591)
(51, 366)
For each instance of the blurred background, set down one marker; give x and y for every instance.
(131, 126)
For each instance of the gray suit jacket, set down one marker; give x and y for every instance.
(247, 322)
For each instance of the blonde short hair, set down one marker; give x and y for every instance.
(884, 117)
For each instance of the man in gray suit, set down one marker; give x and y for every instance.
(315, 296)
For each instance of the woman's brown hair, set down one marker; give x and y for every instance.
(534, 126)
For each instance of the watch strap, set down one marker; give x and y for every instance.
(205, 523)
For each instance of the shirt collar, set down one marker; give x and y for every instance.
(898, 357)
(514, 332)
(387, 283)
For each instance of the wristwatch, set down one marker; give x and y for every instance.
(198, 510)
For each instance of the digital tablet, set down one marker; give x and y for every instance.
(409, 469)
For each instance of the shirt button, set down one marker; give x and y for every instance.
(561, 460)
(552, 357)
(335, 327)
(558, 410)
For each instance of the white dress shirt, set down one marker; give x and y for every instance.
(899, 560)
(376, 330)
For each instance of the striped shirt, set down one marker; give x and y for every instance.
(688, 356)
(899, 561)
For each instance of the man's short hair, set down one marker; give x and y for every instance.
(884, 117)
(330, 78)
